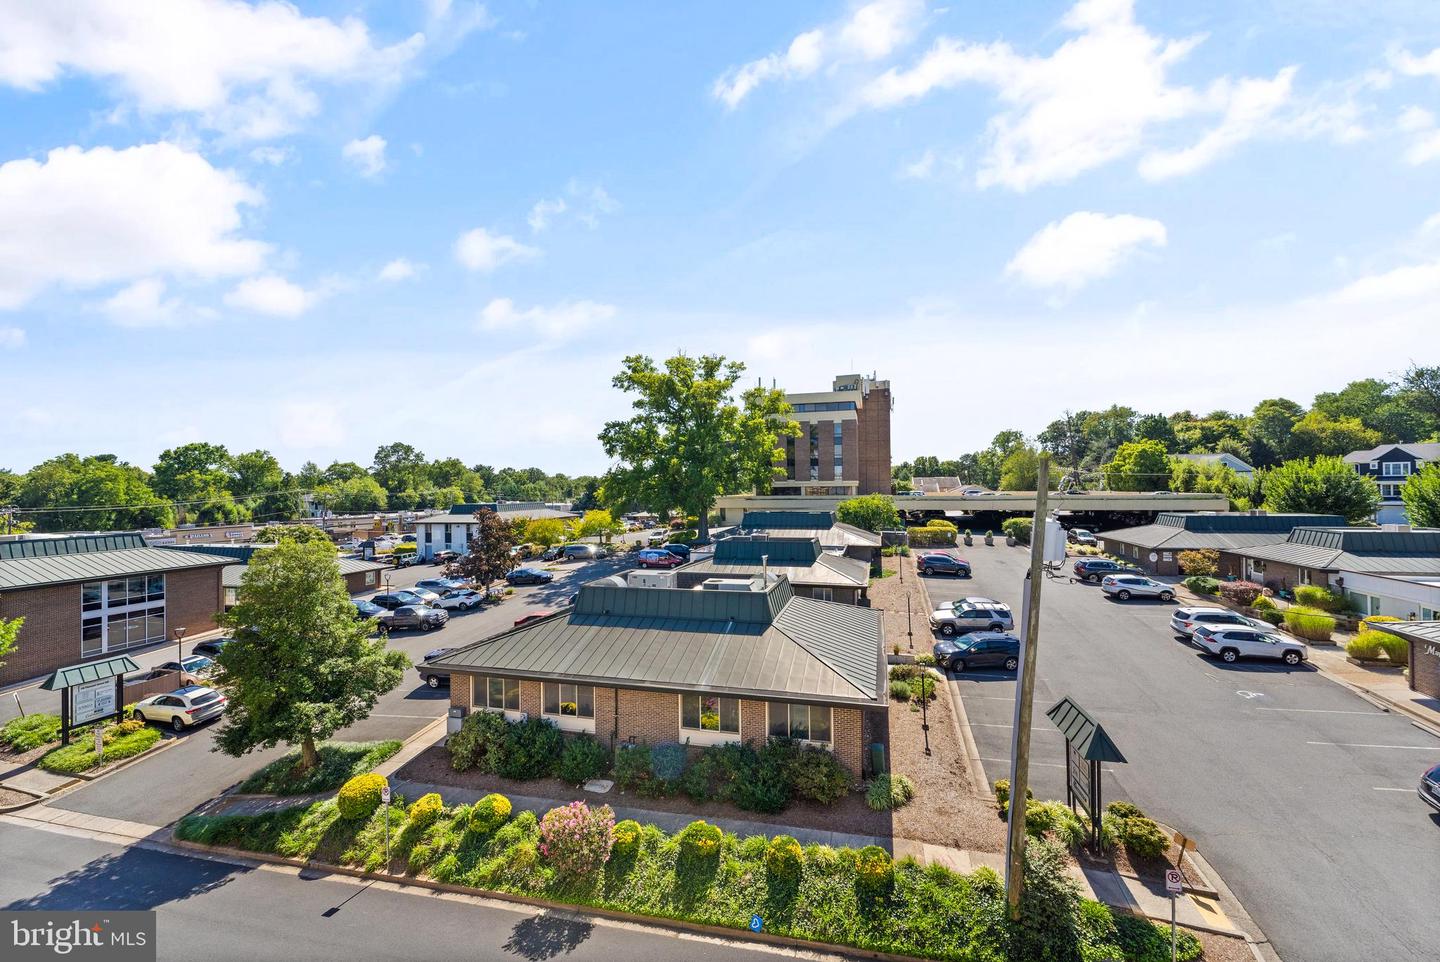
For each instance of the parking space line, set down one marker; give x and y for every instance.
(1413, 748)
(1329, 711)
(1379, 789)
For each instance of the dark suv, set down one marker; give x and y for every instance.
(1094, 570)
(417, 616)
(983, 649)
(943, 564)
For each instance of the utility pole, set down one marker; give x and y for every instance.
(1025, 697)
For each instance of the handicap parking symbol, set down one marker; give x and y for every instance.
(756, 923)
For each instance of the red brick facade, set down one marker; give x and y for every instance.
(50, 638)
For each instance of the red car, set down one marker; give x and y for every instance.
(658, 558)
(533, 616)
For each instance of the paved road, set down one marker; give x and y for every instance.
(1301, 793)
(161, 789)
(215, 910)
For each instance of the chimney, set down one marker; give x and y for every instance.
(765, 569)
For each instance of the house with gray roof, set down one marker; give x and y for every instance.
(1390, 466)
(1156, 547)
(811, 571)
(90, 596)
(736, 663)
(1368, 564)
(834, 536)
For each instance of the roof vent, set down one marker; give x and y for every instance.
(1395, 527)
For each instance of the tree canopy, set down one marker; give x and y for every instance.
(873, 512)
(1421, 494)
(1324, 485)
(488, 557)
(9, 637)
(1138, 466)
(274, 533)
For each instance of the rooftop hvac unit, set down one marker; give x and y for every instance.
(732, 584)
(650, 579)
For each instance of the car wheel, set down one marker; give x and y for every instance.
(177, 723)
(1167, 596)
(957, 665)
(924, 570)
(1123, 595)
(433, 681)
(965, 573)
(997, 627)
(1093, 579)
(1012, 663)
(426, 626)
(947, 630)
(1291, 657)
(1230, 656)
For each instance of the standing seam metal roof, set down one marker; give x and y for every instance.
(99, 565)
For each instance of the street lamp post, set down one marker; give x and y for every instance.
(180, 650)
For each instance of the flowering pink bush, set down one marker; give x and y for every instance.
(1241, 592)
(576, 839)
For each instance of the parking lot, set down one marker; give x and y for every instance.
(1279, 773)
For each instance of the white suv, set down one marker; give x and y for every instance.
(1126, 587)
(1232, 644)
(1186, 620)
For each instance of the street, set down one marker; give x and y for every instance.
(1300, 793)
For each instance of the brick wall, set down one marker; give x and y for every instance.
(874, 446)
(460, 686)
(355, 582)
(1425, 667)
(850, 456)
(50, 638)
(847, 734)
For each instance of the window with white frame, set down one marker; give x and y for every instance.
(823, 594)
(1396, 469)
(569, 701)
(495, 693)
(710, 714)
(811, 723)
(1390, 492)
(121, 613)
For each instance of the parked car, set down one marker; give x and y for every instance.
(368, 609)
(912, 493)
(533, 616)
(434, 677)
(967, 618)
(1232, 644)
(1125, 587)
(154, 674)
(461, 599)
(553, 553)
(1185, 620)
(983, 649)
(1430, 787)
(396, 599)
(658, 558)
(182, 707)
(407, 539)
(1094, 569)
(212, 648)
(418, 616)
(1080, 536)
(940, 563)
(681, 551)
(529, 576)
(579, 552)
(978, 600)
(191, 665)
(445, 557)
(403, 559)
(440, 585)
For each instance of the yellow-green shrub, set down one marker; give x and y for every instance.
(1365, 623)
(490, 812)
(1396, 649)
(784, 859)
(1312, 624)
(700, 840)
(873, 866)
(627, 837)
(360, 796)
(426, 809)
(1364, 645)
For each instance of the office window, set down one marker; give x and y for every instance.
(574, 701)
(498, 694)
(839, 464)
(121, 613)
(814, 452)
(429, 533)
(447, 535)
(710, 713)
(808, 722)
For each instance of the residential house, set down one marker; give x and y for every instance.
(1156, 547)
(1224, 458)
(453, 530)
(811, 571)
(361, 577)
(1390, 466)
(640, 664)
(833, 535)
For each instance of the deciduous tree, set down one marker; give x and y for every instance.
(873, 512)
(304, 533)
(488, 557)
(544, 531)
(1317, 434)
(1325, 485)
(9, 637)
(1421, 494)
(1138, 466)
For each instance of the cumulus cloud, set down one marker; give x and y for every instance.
(142, 304)
(366, 155)
(480, 250)
(83, 218)
(1419, 124)
(584, 202)
(248, 70)
(400, 269)
(870, 33)
(1083, 247)
(272, 155)
(272, 295)
(557, 322)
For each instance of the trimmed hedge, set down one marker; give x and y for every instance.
(1018, 528)
(1309, 623)
(931, 537)
(1314, 596)
(360, 796)
(120, 743)
(1202, 584)
(1243, 593)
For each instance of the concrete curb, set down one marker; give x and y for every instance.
(34, 800)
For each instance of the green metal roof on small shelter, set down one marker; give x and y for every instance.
(90, 671)
(1085, 733)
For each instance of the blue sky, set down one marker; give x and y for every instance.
(321, 228)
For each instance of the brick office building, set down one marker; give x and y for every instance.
(89, 597)
(1424, 639)
(1156, 547)
(844, 442)
(697, 667)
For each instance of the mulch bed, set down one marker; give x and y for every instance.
(9, 759)
(10, 797)
(890, 594)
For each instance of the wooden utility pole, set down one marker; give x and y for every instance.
(1025, 697)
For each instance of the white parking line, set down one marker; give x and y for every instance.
(1033, 731)
(1378, 789)
(1413, 748)
(1329, 711)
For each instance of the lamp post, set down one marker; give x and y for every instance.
(179, 650)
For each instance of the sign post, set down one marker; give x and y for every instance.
(1086, 746)
(385, 800)
(1174, 885)
(99, 745)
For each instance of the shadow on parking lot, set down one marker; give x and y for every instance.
(1257, 666)
(133, 879)
(542, 937)
(424, 692)
(1141, 602)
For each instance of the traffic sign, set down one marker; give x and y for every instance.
(1174, 881)
(385, 794)
(756, 923)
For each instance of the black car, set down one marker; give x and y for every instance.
(529, 576)
(1094, 570)
(981, 649)
(1430, 787)
(396, 599)
(368, 609)
(942, 564)
(212, 648)
(418, 616)
(677, 549)
(553, 553)
(434, 678)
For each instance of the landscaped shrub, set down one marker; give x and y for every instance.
(903, 672)
(1143, 838)
(818, 775)
(1396, 649)
(1366, 624)
(79, 756)
(472, 744)
(360, 796)
(1056, 820)
(584, 758)
(1204, 563)
(626, 837)
(925, 660)
(30, 732)
(632, 768)
(784, 860)
(1050, 907)
(1018, 528)
(1124, 810)
(576, 838)
(700, 840)
(928, 537)
(1202, 584)
(1269, 615)
(1309, 623)
(1002, 797)
(1241, 592)
(873, 866)
(489, 813)
(1364, 645)
(923, 687)
(1314, 596)
(900, 690)
(889, 791)
(531, 749)
(1263, 603)
(339, 762)
(426, 809)
(767, 787)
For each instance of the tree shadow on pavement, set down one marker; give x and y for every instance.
(542, 937)
(135, 879)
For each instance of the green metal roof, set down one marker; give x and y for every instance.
(1242, 522)
(826, 570)
(74, 544)
(232, 574)
(1085, 733)
(99, 565)
(781, 551)
(1426, 632)
(787, 519)
(752, 644)
(90, 671)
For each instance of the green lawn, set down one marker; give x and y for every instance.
(930, 912)
(79, 756)
(339, 762)
(32, 731)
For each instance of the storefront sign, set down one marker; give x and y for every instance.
(92, 700)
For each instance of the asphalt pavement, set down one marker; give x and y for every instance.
(1299, 792)
(216, 910)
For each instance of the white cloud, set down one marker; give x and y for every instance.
(1424, 146)
(12, 338)
(273, 295)
(1083, 247)
(871, 32)
(543, 211)
(930, 164)
(367, 156)
(309, 424)
(557, 322)
(1410, 283)
(400, 269)
(88, 217)
(249, 70)
(1250, 104)
(480, 250)
(274, 156)
(582, 201)
(142, 304)
(1413, 66)
(1090, 102)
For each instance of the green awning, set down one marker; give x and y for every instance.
(1084, 732)
(90, 671)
